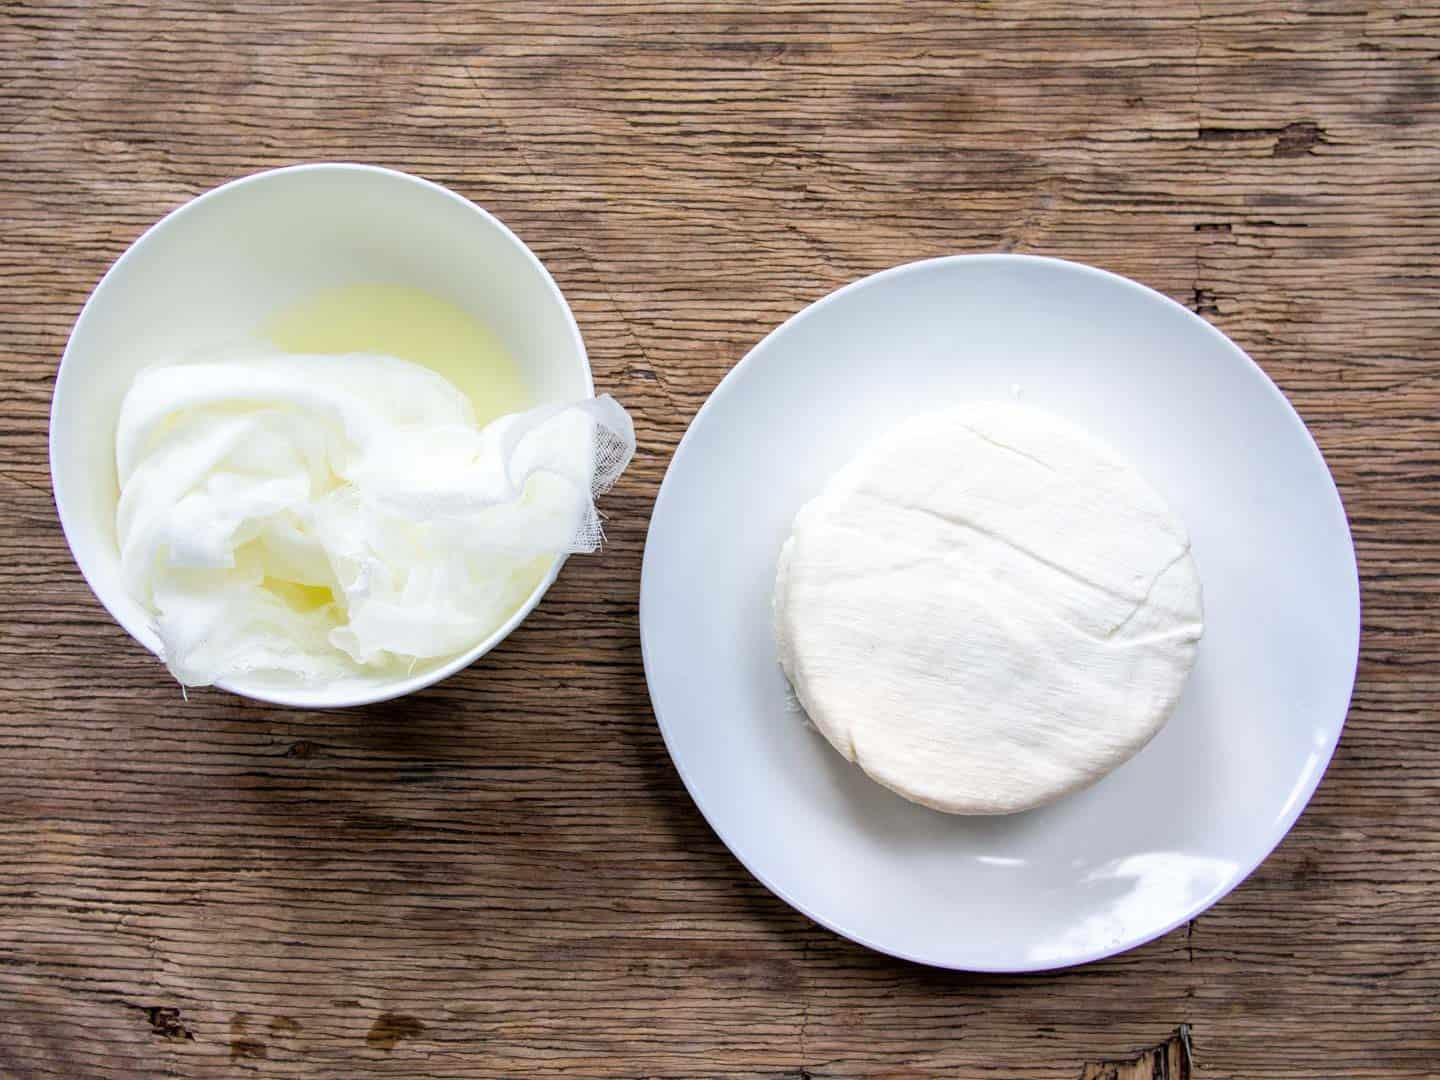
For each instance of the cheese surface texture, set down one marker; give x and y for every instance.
(987, 608)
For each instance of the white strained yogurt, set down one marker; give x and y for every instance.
(986, 609)
(318, 515)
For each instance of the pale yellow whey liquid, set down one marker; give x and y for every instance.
(395, 320)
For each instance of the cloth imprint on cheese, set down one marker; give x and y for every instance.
(986, 609)
(315, 516)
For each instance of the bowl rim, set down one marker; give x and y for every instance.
(299, 697)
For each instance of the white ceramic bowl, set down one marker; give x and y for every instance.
(219, 266)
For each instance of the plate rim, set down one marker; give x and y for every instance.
(1354, 608)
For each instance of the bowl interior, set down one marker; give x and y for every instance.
(215, 269)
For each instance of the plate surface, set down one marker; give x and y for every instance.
(1165, 835)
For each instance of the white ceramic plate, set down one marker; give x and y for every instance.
(1158, 840)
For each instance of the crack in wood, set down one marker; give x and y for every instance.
(1203, 302)
(165, 1022)
(1170, 1060)
(1291, 140)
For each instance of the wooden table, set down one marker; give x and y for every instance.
(503, 876)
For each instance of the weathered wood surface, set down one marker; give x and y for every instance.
(503, 875)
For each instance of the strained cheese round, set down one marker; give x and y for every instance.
(987, 608)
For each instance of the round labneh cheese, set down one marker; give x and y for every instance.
(987, 608)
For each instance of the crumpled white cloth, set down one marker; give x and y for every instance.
(311, 514)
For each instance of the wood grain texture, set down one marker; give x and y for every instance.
(503, 876)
